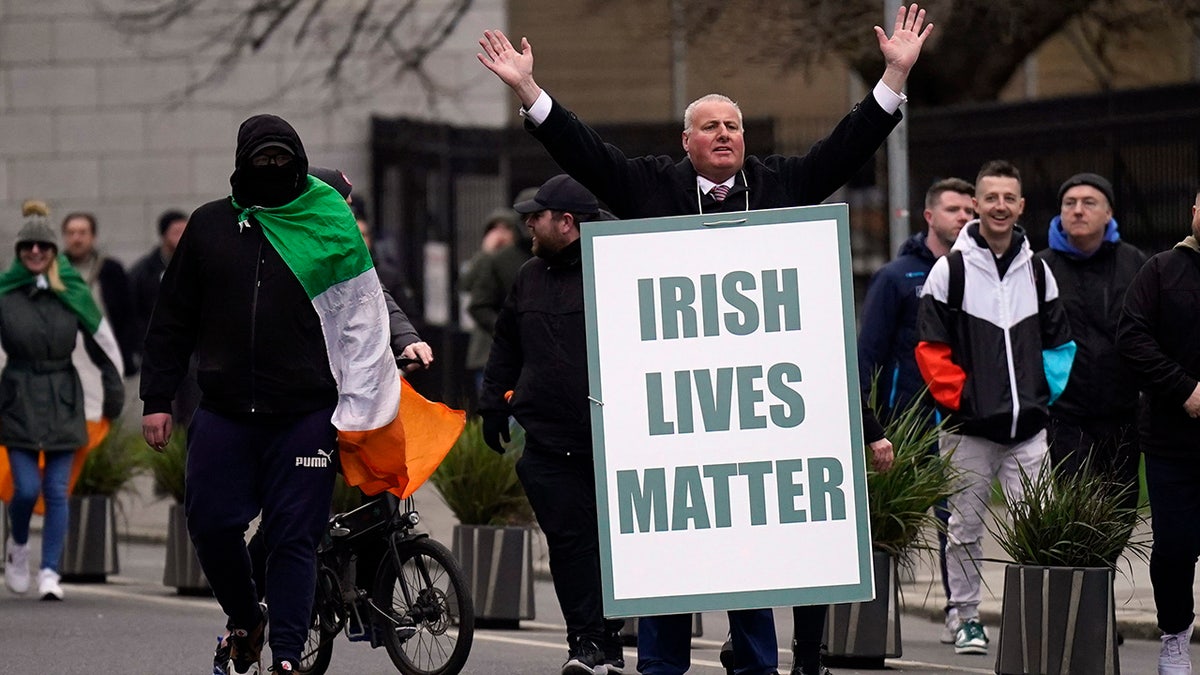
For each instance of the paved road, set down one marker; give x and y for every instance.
(134, 625)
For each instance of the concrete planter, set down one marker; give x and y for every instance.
(498, 563)
(90, 549)
(863, 631)
(1058, 621)
(182, 570)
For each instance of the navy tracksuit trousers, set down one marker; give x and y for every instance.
(283, 467)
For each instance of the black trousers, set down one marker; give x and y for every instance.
(237, 469)
(1174, 487)
(562, 490)
(1103, 446)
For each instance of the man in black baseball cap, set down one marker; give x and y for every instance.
(553, 214)
(539, 355)
(561, 193)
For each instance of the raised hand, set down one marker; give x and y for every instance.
(901, 50)
(514, 68)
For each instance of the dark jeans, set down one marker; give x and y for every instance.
(562, 491)
(664, 643)
(1174, 487)
(1106, 446)
(237, 468)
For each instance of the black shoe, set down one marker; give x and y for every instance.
(821, 670)
(285, 666)
(583, 658)
(614, 654)
(727, 656)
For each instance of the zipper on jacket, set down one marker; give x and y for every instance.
(258, 259)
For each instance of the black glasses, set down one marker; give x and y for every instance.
(282, 159)
(29, 245)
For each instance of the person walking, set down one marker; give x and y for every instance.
(44, 307)
(887, 335)
(539, 355)
(249, 292)
(1159, 338)
(994, 346)
(107, 280)
(716, 177)
(1093, 425)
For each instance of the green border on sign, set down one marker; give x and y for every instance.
(781, 597)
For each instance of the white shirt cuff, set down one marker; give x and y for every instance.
(886, 98)
(540, 110)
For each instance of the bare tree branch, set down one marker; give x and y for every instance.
(392, 39)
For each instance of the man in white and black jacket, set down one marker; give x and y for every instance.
(994, 346)
(1159, 338)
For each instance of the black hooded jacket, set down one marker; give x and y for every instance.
(229, 297)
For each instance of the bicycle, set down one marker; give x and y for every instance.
(418, 606)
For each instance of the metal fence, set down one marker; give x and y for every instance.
(435, 183)
(1146, 142)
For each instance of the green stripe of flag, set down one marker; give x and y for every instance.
(77, 297)
(317, 237)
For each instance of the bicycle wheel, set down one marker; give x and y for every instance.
(429, 601)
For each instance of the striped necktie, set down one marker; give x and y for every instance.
(719, 192)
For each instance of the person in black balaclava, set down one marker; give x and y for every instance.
(270, 170)
(261, 439)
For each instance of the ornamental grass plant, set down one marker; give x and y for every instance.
(901, 499)
(1069, 520)
(110, 466)
(479, 485)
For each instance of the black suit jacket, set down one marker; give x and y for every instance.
(647, 187)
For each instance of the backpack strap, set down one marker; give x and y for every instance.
(1039, 282)
(958, 272)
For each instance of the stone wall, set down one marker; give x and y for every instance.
(93, 118)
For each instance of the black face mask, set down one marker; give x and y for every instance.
(265, 185)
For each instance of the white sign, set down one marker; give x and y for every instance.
(727, 421)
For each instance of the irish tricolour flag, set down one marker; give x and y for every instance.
(389, 437)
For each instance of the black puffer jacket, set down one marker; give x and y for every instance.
(540, 353)
(228, 296)
(1159, 337)
(1092, 291)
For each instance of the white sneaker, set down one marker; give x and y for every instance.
(16, 567)
(48, 587)
(950, 630)
(1173, 658)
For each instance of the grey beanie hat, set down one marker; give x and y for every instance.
(37, 226)
(1091, 179)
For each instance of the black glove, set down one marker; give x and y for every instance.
(495, 427)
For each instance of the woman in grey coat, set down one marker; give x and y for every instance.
(44, 307)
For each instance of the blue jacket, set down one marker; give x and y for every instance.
(888, 326)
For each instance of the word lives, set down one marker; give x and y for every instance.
(738, 303)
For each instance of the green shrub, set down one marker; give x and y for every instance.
(481, 486)
(901, 499)
(110, 466)
(1066, 520)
